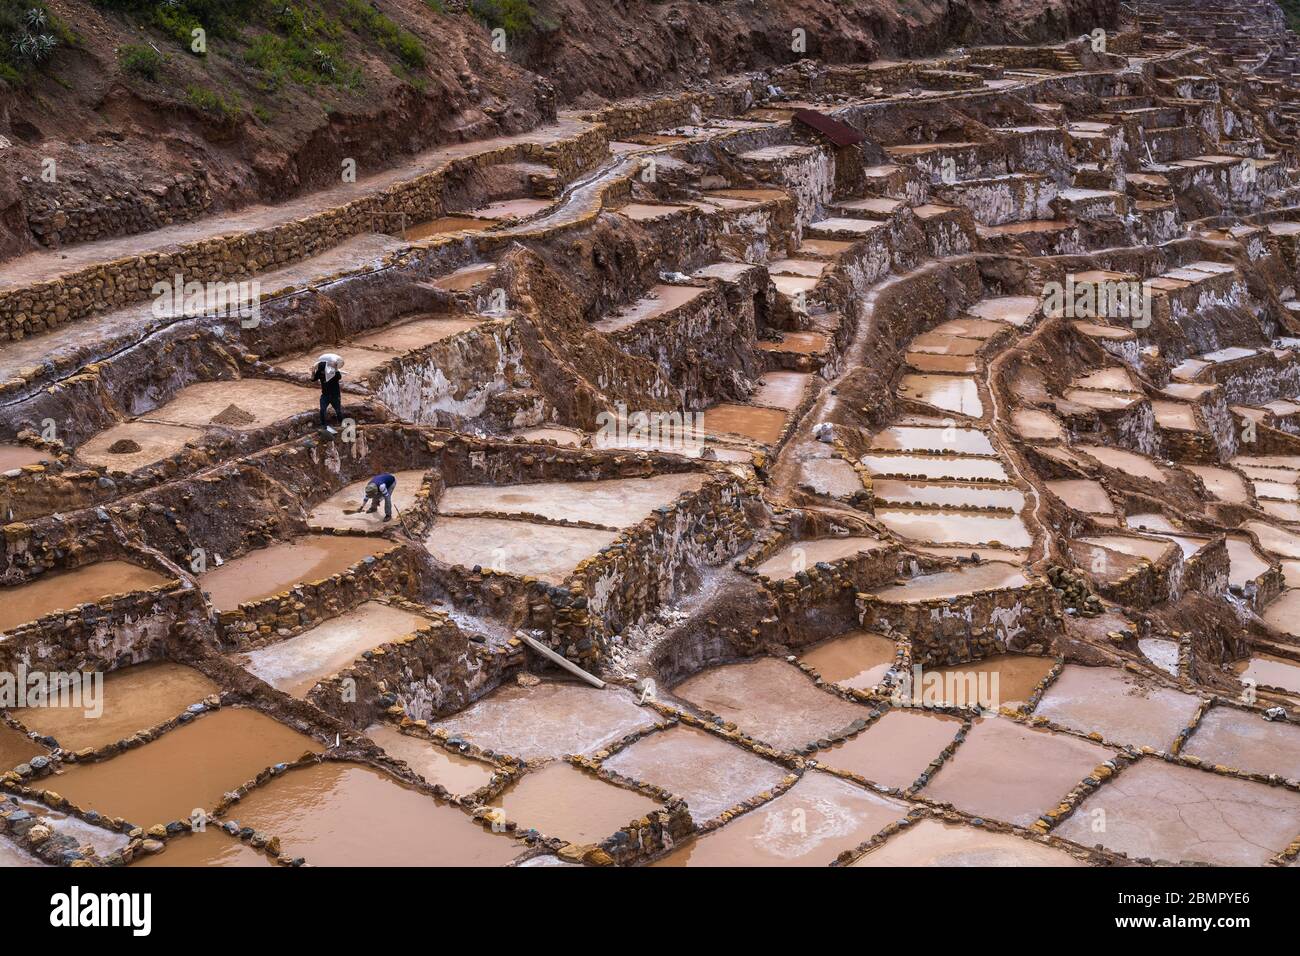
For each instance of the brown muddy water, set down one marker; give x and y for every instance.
(936, 843)
(1011, 773)
(348, 814)
(895, 750)
(460, 775)
(770, 700)
(562, 801)
(15, 456)
(261, 574)
(134, 699)
(64, 590)
(187, 768)
(1004, 680)
(212, 847)
(857, 660)
(16, 748)
(763, 425)
(446, 224)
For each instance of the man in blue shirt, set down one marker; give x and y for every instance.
(380, 487)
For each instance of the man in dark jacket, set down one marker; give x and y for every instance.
(380, 487)
(331, 392)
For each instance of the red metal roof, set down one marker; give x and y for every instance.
(841, 134)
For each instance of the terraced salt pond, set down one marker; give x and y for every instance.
(857, 660)
(549, 720)
(562, 801)
(959, 441)
(187, 768)
(895, 750)
(333, 511)
(1122, 708)
(65, 590)
(1128, 462)
(296, 664)
(836, 815)
(892, 491)
(947, 392)
(266, 572)
(988, 575)
(1267, 671)
(1083, 494)
(949, 527)
(460, 775)
(1012, 773)
(937, 468)
(936, 843)
(771, 701)
(615, 503)
(548, 552)
(1222, 483)
(348, 814)
(1237, 738)
(710, 774)
(1003, 680)
(133, 699)
(212, 847)
(1160, 811)
(801, 555)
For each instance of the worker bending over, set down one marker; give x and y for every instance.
(380, 486)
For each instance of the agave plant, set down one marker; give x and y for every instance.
(33, 47)
(324, 62)
(35, 19)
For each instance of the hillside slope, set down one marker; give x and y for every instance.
(114, 124)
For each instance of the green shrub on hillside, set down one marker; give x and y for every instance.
(516, 17)
(140, 61)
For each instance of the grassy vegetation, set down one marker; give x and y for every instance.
(1292, 10)
(138, 60)
(29, 35)
(297, 42)
(516, 17)
(213, 103)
